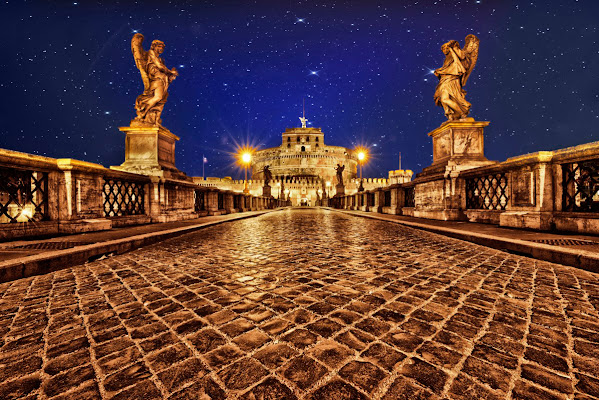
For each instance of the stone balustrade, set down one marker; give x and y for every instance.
(47, 196)
(547, 190)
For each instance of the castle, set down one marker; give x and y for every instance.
(303, 169)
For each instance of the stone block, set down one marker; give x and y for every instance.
(85, 225)
(526, 219)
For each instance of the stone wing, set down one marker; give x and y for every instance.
(141, 58)
(471, 52)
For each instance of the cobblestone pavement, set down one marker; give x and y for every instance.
(303, 304)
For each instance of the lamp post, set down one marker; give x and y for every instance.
(362, 153)
(319, 198)
(327, 193)
(246, 159)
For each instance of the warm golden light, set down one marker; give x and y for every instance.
(246, 157)
(362, 154)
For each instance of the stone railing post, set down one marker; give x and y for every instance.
(212, 202)
(396, 204)
(229, 203)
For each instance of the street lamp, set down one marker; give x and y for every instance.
(245, 157)
(362, 154)
(327, 193)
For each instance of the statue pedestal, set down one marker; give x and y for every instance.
(266, 191)
(457, 143)
(340, 190)
(150, 150)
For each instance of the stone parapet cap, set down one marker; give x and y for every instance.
(580, 152)
(70, 164)
(401, 172)
(114, 172)
(10, 158)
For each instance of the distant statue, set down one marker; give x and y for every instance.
(156, 78)
(267, 175)
(303, 120)
(453, 75)
(339, 170)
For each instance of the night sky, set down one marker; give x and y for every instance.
(68, 79)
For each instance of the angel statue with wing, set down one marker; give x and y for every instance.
(454, 73)
(156, 78)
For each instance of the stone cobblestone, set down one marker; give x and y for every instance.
(303, 304)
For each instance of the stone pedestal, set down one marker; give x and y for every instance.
(457, 143)
(340, 190)
(266, 191)
(150, 150)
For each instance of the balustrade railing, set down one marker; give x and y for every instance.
(370, 199)
(409, 196)
(488, 192)
(387, 198)
(23, 195)
(580, 184)
(221, 201)
(123, 198)
(200, 200)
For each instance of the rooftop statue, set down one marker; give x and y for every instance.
(453, 75)
(156, 78)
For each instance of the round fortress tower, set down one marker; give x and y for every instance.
(304, 163)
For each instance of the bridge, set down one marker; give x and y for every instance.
(301, 303)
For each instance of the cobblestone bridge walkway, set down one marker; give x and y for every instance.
(303, 304)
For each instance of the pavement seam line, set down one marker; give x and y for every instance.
(578, 255)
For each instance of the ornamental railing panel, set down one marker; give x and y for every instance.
(580, 184)
(489, 192)
(387, 198)
(23, 195)
(370, 199)
(221, 201)
(409, 197)
(123, 198)
(200, 200)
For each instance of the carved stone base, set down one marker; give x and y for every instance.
(340, 190)
(457, 143)
(150, 150)
(266, 191)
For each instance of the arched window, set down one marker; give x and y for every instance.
(307, 138)
(317, 139)
(303, 148)
(298, 139)
(317, 143)
(288, 145)
(288, 139)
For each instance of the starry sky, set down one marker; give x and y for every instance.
(363, 67)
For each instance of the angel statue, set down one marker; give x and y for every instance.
(156, 78)
(267, 174)
(454, 73)
(339, 169)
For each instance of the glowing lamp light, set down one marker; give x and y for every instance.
(246, 157)
(27, 213)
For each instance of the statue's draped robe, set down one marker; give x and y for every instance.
(450, 82)
(158, 77)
